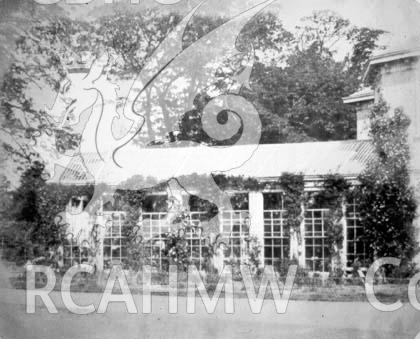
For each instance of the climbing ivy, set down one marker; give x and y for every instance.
(386, 199)
(293, 187)
(34, 226)
(332, 196)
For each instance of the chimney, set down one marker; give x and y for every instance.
(363, 101)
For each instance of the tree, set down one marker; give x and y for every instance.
(16, 17)
(40, 67)
(271, 42)
(38, 70)
(304, 96)
(386, 199)
(134, 36)
(365, 42)
(296, 83)
(22, 220)
(33, 223)
(315, 92)
(321, 32)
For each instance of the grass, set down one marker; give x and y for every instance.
(313, 289)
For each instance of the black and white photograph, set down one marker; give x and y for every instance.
(209, 169)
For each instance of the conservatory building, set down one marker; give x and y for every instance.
(257, 214)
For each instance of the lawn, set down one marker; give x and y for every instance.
(304, 288)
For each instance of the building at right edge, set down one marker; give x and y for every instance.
(394, 76)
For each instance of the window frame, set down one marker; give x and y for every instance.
(315, 239)
(237, 239)
(354, 225)
(115, 239)
(282, 236)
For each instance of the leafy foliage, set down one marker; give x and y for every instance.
(134, 36)
(296, 84)
(177, 250)
(322, 30)
(332, 197)
(310, 99)
(293, 186)
(385, 197)
(38, 70)
(33, 224)
(303, 98)
(364, 43)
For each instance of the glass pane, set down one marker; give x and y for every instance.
(107, 251)
(277, 252)
(318, 252)
(318, 242)
(350, 247)
(268, 242)
(268, 252)
(123, 251)
(116, 253)
(318, 265)
(236, 251)
(277, 242)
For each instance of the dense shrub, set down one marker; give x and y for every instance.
(386, 199)
(33, 228)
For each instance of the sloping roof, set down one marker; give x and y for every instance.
(365, 94)
(347, 158)
(407, 49)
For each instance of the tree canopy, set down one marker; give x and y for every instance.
(297, 82)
